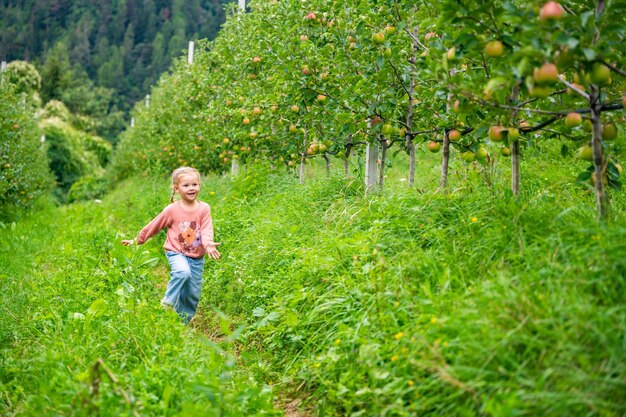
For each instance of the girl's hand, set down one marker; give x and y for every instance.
(213, 253)
(127, 242)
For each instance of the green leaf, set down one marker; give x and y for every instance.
(590, 54)
(564, 150)
(584, 176)
(97, 308)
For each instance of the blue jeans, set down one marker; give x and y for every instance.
(183, 289)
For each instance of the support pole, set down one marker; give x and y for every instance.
(190, 52)
(371, 166)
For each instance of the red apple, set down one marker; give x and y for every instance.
(433, 146)
(454, 135)
(573, 119)
(547, 74)
(551, 11)
(494, 49)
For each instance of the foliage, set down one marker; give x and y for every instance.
(23, 167)
(72, 153)
(320, 77)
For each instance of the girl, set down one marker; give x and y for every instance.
(189, 238)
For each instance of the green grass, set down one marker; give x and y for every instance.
(401, 302)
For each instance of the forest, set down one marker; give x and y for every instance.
(100, 57)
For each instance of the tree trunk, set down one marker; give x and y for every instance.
(411, 146)
(327, 160)
(445, 161)
(383, 156)
(409, 115)
(602, 202)
(515, 172)
(303, 155)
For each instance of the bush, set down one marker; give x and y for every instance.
(87, 188)
(24, 173)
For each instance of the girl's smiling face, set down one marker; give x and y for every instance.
(188, 187)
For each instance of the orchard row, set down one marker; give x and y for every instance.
(293, 79)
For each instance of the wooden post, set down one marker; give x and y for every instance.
(190, 53)
(147, 101)
(242, 5)
(234, 167)
(132, 122)
(42, 139)
(3, 67)
(371, 166)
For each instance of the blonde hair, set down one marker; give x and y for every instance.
(178, 172)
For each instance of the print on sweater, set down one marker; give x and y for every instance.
(189, 236)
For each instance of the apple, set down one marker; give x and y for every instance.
(257, 110)
(585, 153)
(573, 119)
(433, 146)
(402, 132)
(600, 74)
(295, 108)
(513, 133)
(578, 86)
(451, 54)
(494, 49)
(310, 16)
(551, 11)
(391, 30)
(609, 131)
(387, 129)
(226, 141)
(547, 74)
(274, 108)
(378, 37)
(321, 98)
(253, 135)
(246, 121)
(304, 38)
(376, 120)
(293, 129)
(256, 59)
(252, 76)
(454, 135)
(587, 126)
(468, 156)
(229, 102)
(430, 35)
(306, 70)
(495, 133)
(387, 53)
(505, 151)
(482, 154)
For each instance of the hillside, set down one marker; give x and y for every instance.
(122, 47)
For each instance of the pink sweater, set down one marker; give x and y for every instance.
(188, 232)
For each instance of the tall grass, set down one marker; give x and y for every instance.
(401, 302)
